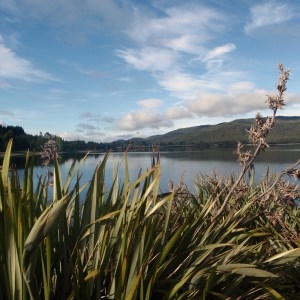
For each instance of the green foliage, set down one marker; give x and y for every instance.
(129, 241)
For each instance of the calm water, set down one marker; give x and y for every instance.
(177, 164)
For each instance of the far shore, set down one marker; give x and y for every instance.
(24, 153)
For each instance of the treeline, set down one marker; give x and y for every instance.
(221, 135)
(24, 141)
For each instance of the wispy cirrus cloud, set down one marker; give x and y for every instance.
(269, 13)
(165, 42)
(77, 21)
(14, 67)
(219, 52)
(149, 58)
(177, 28)
(169, 43)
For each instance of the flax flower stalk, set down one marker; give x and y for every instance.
(259, 131)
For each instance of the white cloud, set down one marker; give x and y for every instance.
(182, 28)
(137, 120)
(267, 14)
(178, 112)
(220, 105)
(240, 87)
(179, 83)
(169, 44)
(152, 116)
(150, 103)
(14, 67)
(292, 101)
(185, 85)
(149, 59)
(187, 43)
(219, 51)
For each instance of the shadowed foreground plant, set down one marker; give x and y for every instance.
(130, 244)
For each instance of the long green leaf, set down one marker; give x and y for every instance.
(284, 257)
(245, 269)
(6, 161)
(48, 219)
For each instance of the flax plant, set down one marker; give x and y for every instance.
(127, 242)
(19, 206)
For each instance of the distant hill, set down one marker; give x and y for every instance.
(226, 134)
(287, 130)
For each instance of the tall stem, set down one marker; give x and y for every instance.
(259, 132)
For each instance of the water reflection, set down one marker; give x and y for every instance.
(173, 164)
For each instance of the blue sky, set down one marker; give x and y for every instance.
(100, 70)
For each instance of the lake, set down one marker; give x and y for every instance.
(177, 164)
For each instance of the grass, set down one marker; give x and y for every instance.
(232, 240)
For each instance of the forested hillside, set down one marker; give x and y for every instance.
(287, 130)
(193, 138)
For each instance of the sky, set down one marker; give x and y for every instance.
(103, 70)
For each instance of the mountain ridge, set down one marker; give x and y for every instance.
(287, 130)
(225, 134)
